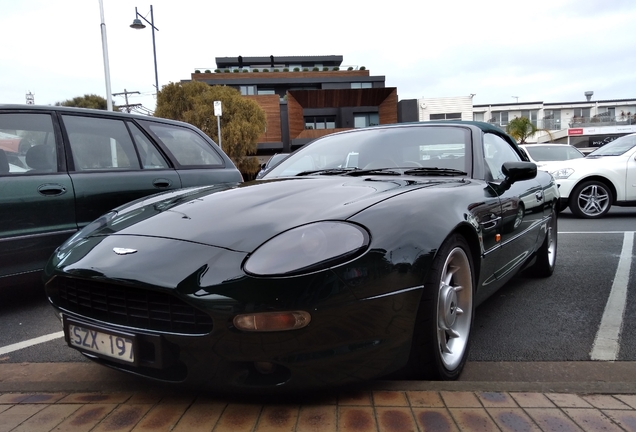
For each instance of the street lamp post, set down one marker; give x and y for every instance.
(137, 24)
(109, 98)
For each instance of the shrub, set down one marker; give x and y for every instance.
(217, 70)
(265, 70)
(305, 69)
(296, 69)
(362, 68)
(254, 70)
(336, 68)
(325, 68)
(208, 71)
(226, 70)
(236, 71)
(197, 71)
(350, 68)
(315, 68)
(276, 70)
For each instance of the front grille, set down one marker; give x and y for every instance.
(132, 307)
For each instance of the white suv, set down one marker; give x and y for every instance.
(606, 177)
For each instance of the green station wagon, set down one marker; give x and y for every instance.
(61, 168)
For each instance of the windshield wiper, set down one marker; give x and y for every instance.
(434, 171)
(330, 171)
(379, 171)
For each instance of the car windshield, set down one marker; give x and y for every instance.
(616, 147)
(558, 152)
(383, 148)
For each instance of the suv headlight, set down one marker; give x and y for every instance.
(562, 173)
(308, 248)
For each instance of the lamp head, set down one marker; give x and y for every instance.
(137, 24)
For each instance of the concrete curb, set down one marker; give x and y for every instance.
(557, 377)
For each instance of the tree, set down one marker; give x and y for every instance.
(87, 101)
(521, 128)
(242, 122)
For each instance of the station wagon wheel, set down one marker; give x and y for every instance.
(445, 318)
(591, 199)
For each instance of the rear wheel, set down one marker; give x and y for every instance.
(445, 317)
(591, 199)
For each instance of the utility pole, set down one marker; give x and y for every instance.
(30, 98)
(126, 93)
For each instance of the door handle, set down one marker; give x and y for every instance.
(539, 196)
(489, 224)
(51, 189)
(161, 183)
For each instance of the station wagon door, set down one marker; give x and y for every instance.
(37, 210)
(112, 162)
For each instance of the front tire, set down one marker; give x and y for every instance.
(445, 317)
(591, 200)
(546, 255)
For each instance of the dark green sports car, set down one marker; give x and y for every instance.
(360, 255)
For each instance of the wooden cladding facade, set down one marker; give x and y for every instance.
(385, 99)
(271, 105)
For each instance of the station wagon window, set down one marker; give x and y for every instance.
(100, 144)
(187, 147)
(150, 156)
(27, 144)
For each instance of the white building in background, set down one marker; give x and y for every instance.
(583, 124)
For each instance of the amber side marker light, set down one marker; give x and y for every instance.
(272, 321)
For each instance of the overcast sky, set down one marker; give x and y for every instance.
(541, 50)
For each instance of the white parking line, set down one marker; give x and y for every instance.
(606, 343)
(25, 344)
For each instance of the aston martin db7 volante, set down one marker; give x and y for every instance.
(362, 254)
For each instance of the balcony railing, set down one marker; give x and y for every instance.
(601, 120)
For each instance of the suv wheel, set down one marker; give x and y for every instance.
(591, 199)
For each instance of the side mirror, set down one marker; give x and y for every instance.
(517, 171)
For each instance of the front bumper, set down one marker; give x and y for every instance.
(351, 341)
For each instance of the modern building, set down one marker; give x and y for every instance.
(305, 97)
(584, 124)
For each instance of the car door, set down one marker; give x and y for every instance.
(112, 162)
(37, 211)
(630, 175)
(522, 206)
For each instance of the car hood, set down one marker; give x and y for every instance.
(242, 217)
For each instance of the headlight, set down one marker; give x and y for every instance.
(89, 229)
(562, 173)
(307, 248)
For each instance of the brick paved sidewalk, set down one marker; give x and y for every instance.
(360, 411)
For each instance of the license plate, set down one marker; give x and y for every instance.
(102, 342)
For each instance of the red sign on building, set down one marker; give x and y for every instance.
(577, 131)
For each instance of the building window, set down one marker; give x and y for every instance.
(359, 85)
(320, 122)
(446, 116)
(248, 90)
(530, 115)
(266, 91)
(478, 117)
(552, 119)
(361, 120)
(582, 112)
(499, 118)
